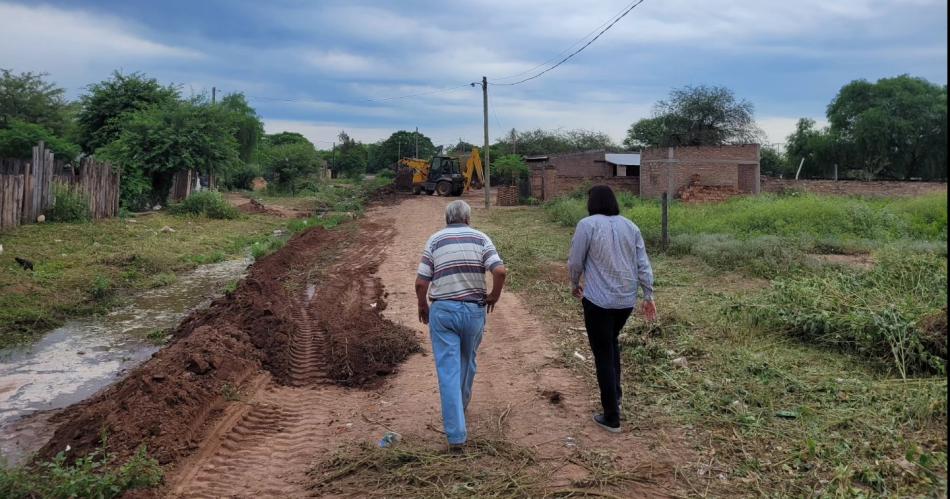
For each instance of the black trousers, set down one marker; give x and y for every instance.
(603, 328)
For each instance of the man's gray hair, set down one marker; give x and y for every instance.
(458, 212)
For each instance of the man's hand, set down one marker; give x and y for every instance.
(422, 297)
(490, 302)
(648, 310)
(578, 292)
(424, 312)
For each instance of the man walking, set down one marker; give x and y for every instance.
(452, 275)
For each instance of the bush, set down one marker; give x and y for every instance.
(879, 314)
(69, 205)
(18, 137)
(89, 476)
(208, 203)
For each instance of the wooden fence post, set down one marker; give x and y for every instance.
(665, 220)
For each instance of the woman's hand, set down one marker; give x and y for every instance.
(648, 310)
(578, 292)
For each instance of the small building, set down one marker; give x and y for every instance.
(672, 169)
(648, 173)
(559, 175)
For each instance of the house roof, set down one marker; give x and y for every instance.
(625, 159)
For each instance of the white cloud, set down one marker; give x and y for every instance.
(338, 61)
(76, 44)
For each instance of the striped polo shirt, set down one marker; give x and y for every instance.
(455, 260)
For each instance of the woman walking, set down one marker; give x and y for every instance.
(608, 251)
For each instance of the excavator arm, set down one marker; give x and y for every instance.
(474, 175)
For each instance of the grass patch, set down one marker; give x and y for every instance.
(206, 203)
(80, 268)
(95, 475)
(768, 413)
(805, 216)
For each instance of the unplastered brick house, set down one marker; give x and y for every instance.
(733, 168)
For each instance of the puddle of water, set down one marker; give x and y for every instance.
(83, 356)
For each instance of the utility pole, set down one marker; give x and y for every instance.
(214, 92)
(416, 136)
(487, 152)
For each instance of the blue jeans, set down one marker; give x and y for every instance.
(456, 330)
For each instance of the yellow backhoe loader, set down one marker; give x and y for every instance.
(444, 176)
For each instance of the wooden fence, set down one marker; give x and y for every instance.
(26, 187)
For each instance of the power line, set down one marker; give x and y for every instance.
(572, 54)
(559, 54)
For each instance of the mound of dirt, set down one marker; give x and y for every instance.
(167, 403)
(252, 206)
(362, 344)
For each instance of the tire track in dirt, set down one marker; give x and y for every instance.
(267, 446)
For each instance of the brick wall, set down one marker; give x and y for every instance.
(546, 184)
(670, 169)
(581, 164)
(853, 187)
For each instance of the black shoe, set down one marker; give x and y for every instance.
(456, 449)
(602, 422)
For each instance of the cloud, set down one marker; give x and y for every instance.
(338, 61)
(76, 43)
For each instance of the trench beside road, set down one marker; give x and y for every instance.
(252, 392)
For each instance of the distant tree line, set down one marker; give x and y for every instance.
(893, 128)
(150, 131)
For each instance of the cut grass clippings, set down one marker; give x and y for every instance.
(488, 467)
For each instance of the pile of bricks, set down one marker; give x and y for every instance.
(507, 195)
(694, 192)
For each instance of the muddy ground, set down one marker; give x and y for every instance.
(315, 350)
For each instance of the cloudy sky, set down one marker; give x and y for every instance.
(319, 67)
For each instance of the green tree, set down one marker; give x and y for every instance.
(896, 127)
(350, 157)
(696, 116)
(401, 144)
(248, 128)
(28, 97)
(156, 142)
(461, 147)
(819, 149)
(18, 137)
(508, 169)
(286, 158)
(646, 132)
(772, 162)
(538, 141)
(107, 103)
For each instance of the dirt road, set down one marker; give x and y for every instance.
(265, 446)
(300, 360)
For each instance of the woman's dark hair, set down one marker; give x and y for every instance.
(601, 201)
